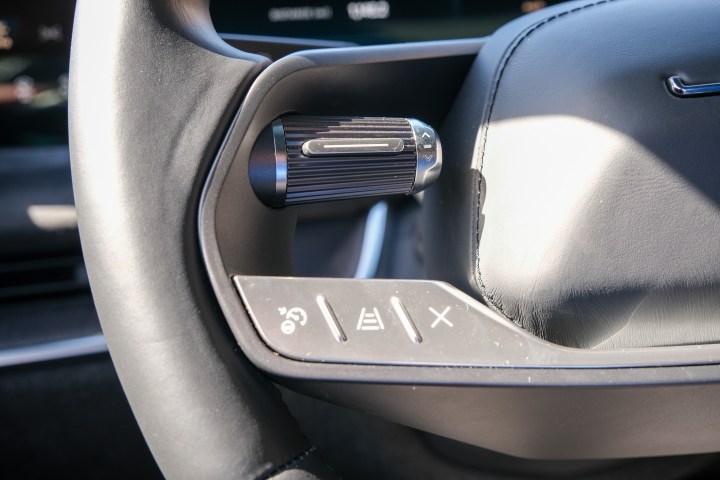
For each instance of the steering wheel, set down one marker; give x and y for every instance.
(572, 234)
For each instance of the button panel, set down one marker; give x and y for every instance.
(408, 322)
(374, 321)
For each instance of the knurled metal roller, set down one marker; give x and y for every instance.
(305, 159)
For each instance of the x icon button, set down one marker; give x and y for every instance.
(440, 317)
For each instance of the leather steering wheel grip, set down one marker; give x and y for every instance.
(586, 210)
(153, 89)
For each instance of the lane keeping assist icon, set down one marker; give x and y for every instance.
(293, 317)
(370, 320)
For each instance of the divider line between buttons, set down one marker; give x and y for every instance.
(404, 317)
(331, 319)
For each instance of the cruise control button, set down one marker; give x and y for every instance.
(293, 317)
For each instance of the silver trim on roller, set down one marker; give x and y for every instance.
(281, 167)
(428, 154)
(352, 146)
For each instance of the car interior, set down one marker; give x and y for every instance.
(360, 239)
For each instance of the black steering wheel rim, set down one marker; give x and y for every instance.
(152, 90)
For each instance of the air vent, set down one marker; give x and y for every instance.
(42, 276)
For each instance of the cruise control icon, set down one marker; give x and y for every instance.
(370, 320)
(293, 317)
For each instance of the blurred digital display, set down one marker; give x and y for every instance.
(35, 43)
(368, 22)
(34, 59)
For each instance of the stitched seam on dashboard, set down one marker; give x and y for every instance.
(489, 298)
(289, 464)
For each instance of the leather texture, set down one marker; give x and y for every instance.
(593, 194)
(153, 89)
